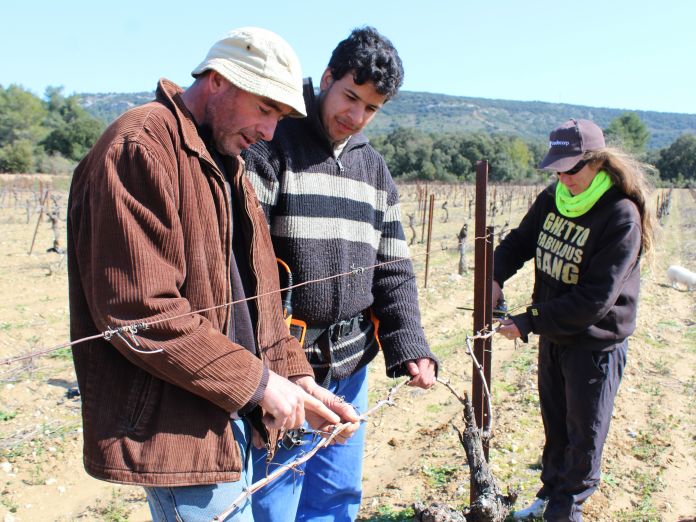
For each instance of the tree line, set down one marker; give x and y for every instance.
(51, 134)
(43, 135)
(412, 154)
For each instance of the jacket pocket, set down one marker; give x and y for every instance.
(138, 398)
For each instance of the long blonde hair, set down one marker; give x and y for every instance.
(631, 177)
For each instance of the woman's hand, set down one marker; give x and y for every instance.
(508, 329)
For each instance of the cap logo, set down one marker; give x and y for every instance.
(559, 143)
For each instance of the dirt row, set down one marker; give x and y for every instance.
(412, 451)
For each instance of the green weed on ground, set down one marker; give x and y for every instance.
(440, 475)
(391, 514)
(647, 484)
(7, 415)
(64, 354)
(115, 510)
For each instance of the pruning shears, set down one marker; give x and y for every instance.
(296, 437)
(499, 312)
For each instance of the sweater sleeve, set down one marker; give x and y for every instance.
(396, 297)
(132, 268)
(597, 289)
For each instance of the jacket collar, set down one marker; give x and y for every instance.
(169, 94)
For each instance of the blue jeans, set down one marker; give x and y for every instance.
(330, 487)
(202, 503)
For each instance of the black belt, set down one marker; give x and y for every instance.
(335, 332)
(344, 328)
(324, 338)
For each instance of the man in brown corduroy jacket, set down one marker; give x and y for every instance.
(165, 230)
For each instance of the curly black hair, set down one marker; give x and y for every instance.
(372, 58)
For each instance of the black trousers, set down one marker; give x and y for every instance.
(576, 389)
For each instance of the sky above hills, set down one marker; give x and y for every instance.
(623, 54)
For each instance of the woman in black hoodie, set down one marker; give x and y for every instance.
(586, 233)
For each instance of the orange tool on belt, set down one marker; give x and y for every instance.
(296, 327)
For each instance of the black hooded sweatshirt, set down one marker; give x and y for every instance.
(587, 270)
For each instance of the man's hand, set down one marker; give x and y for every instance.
(497, 294)
(336, 404)
(285, 405)
(508, 329)
(422, 372)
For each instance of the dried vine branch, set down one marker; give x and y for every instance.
(490, 505)
(389, 400)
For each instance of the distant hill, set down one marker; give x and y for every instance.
(443, 113)
(110, 105)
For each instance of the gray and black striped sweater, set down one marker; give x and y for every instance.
(332, 215)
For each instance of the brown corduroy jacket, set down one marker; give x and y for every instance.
(149, 226)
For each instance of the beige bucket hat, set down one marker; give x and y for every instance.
(260, 62)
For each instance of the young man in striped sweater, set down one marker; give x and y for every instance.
(333, 208)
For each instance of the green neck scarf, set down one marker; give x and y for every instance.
(574, 206)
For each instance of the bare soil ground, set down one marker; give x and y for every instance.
(412, 453)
